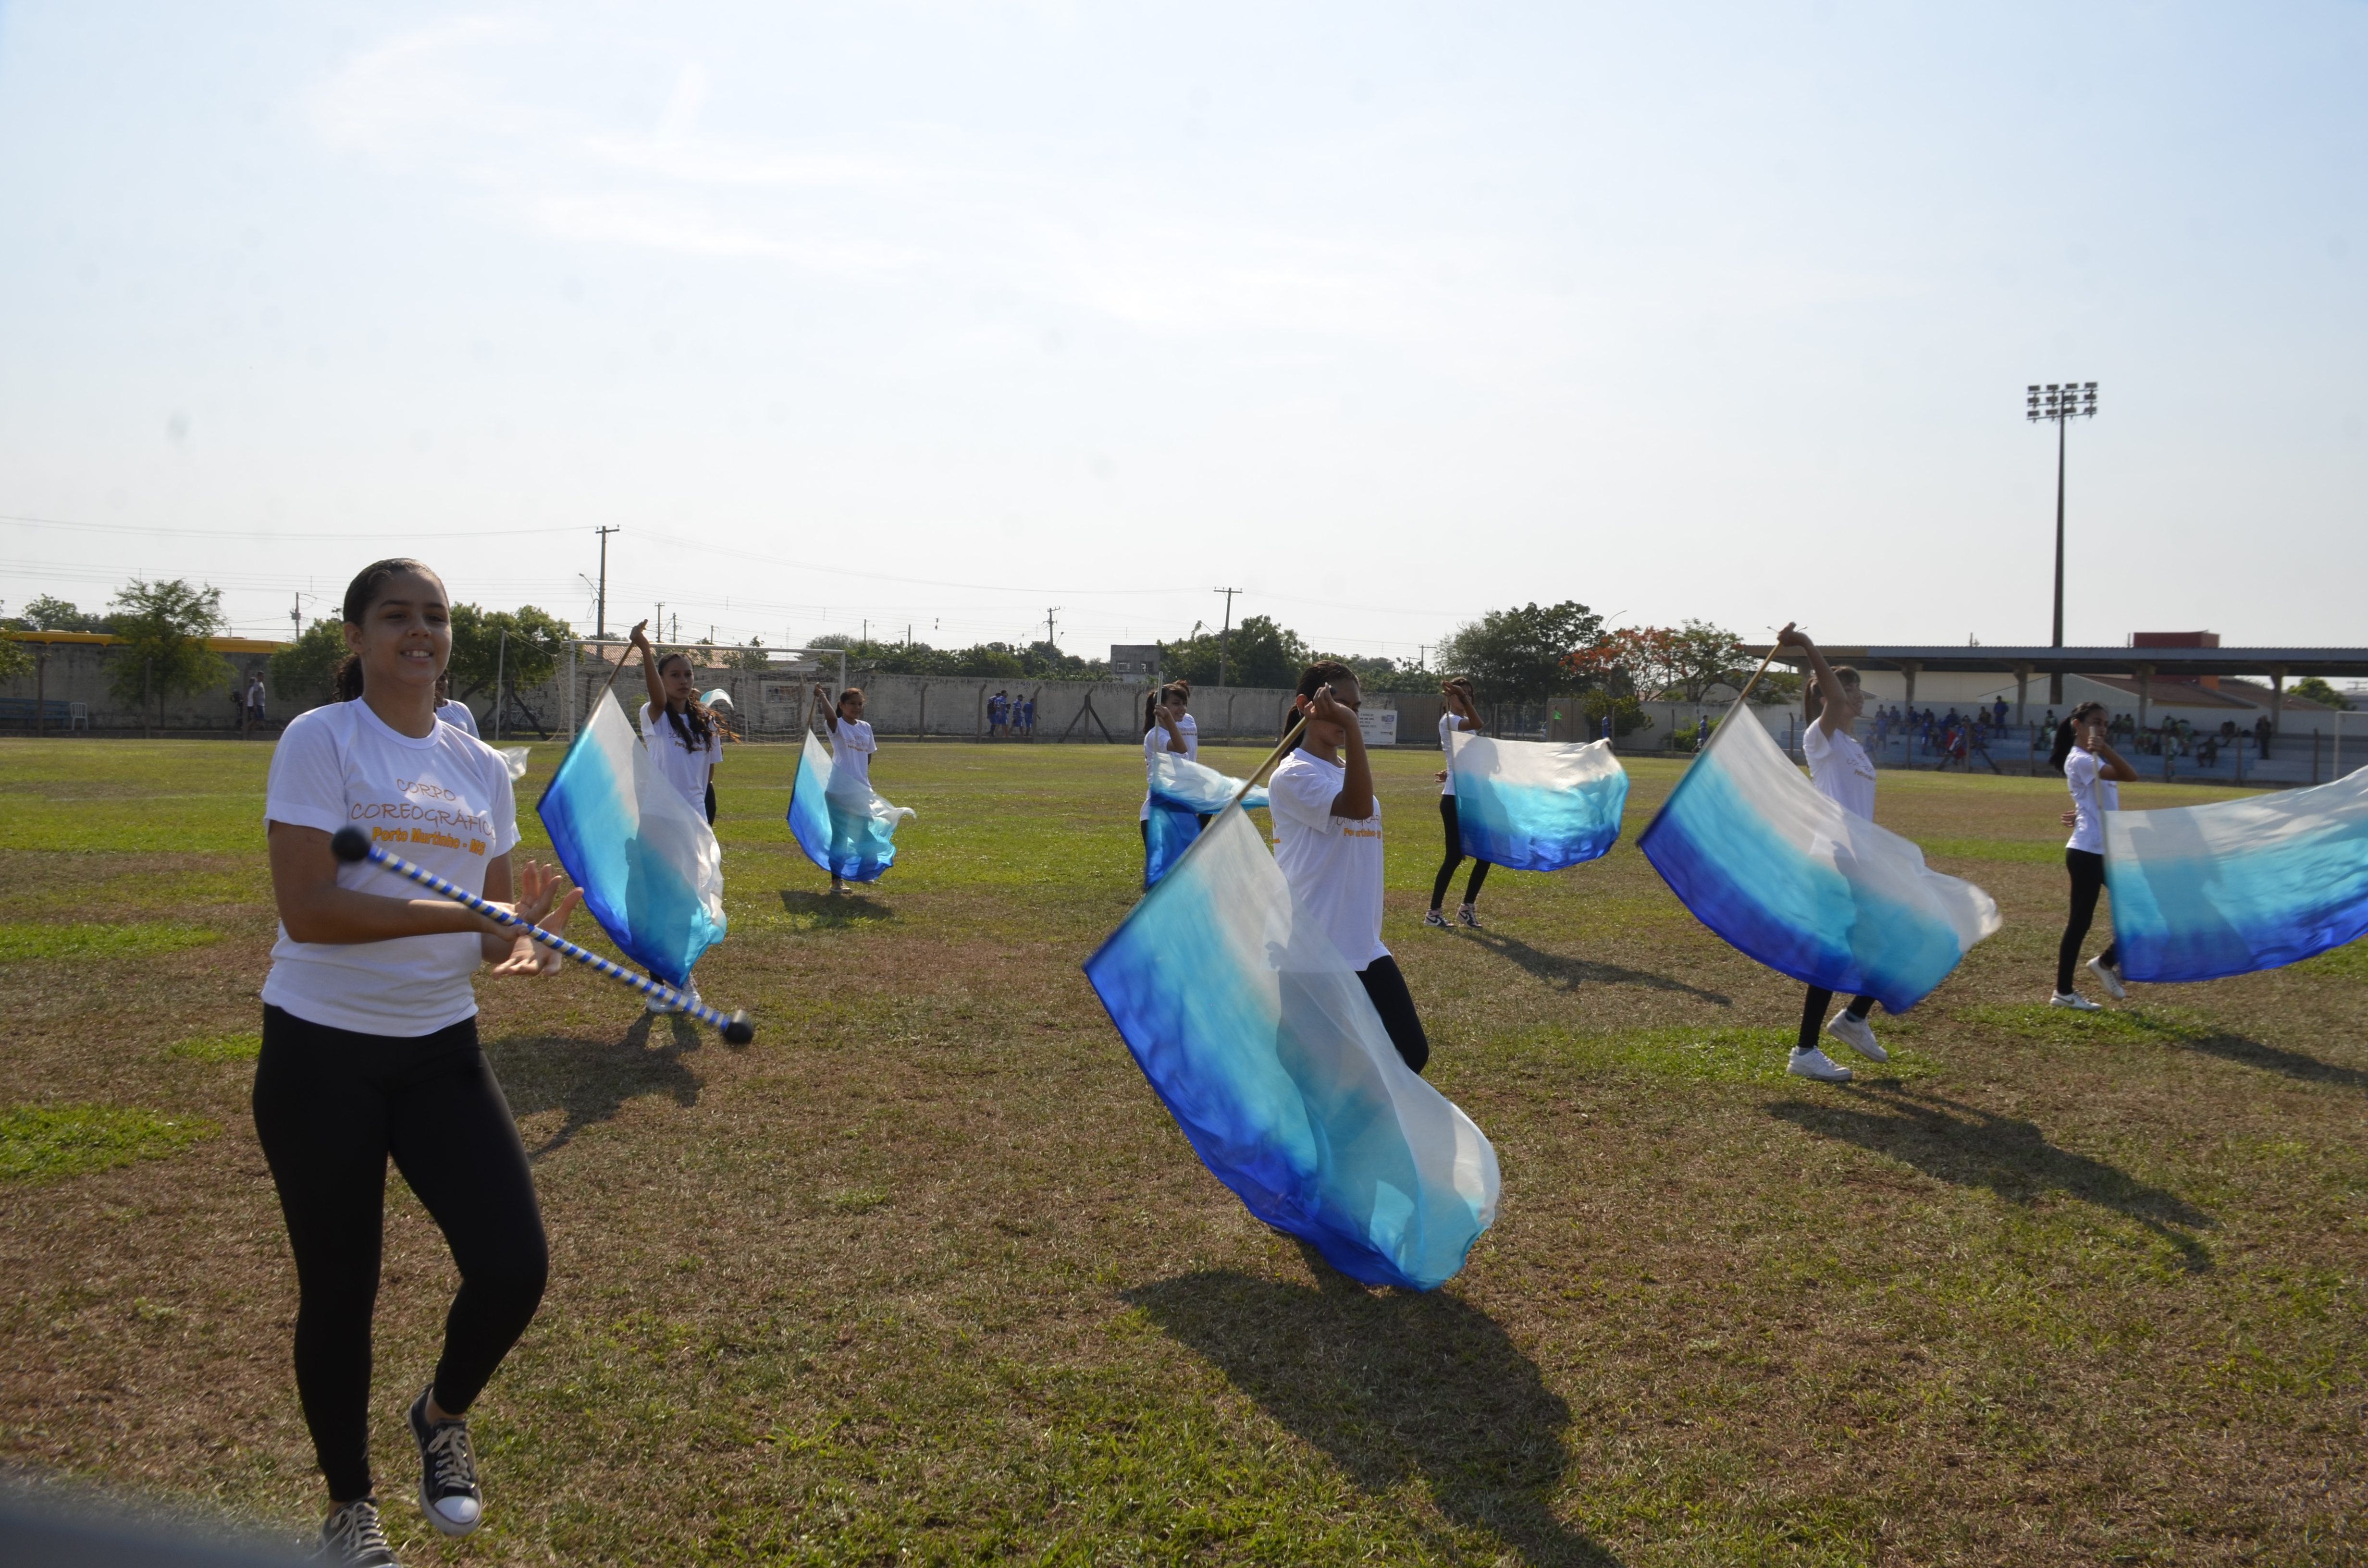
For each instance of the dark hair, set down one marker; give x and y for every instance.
(1813, 700)
(839, 707)
(1320, 674)
(2068, 735)
(1151, 702)
(703, 726)
(362, 593)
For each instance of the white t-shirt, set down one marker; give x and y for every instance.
(850, 755)
(1333, 864)
(1154, 742)
(443, 803)
(1840, 769)
(457, 714)
(1191, 736)
(2093, 795)
(680, 760)
(1448, 724)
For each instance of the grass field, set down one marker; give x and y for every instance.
(926, 1274)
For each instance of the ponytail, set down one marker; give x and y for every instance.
(348, 678)
(701, 731)
(2068, 735)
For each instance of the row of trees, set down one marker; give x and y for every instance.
(495, 653)
(160, 629)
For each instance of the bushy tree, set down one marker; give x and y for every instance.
(1708, 656)
(304, 672)
(1258, 652)
(2313, 689)
(752, 658)
(14, 658)
(527, 657)
(161, 630)
(1374, 673)
(43, 613)
(1522, 656)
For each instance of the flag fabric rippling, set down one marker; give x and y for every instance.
(1536, 805)
(1182, 793)
(1791, 879)
(650, 868)
(843, 827)
(1258, 1036)
(2204, 891)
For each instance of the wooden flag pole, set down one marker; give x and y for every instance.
(1755, 678)
(1290, 740)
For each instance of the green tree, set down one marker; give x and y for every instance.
(14, 659)
(1706, 656)
(1523, 655)
(304, 672)
(2315, 689)
(1259, 653)
(43, 613)
(526, 656)
(161, 630)
(1374, 673)
(752, 658)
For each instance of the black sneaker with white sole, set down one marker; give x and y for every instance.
(354, 1537)
(447, 1470)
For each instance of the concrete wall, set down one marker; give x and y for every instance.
(81, 672)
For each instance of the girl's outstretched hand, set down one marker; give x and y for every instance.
(545, 900)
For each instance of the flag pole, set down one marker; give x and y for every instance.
(1289, 740)
(1755, 676)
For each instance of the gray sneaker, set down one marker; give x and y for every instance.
(448, 1472)
(2110, 977)
(354, 1537)
(1467, 915)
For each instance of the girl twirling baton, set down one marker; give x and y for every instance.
(370, 1046)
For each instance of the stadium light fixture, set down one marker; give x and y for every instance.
(2062, 401)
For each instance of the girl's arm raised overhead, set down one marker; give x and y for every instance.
(1832, 710)
(650, 671)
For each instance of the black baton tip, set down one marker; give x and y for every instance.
(349, 844)
(739, 1030)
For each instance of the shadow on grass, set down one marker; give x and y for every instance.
(2275, 1059)
(835, 909)
(1971, 1147)
(591, 1079)
(1391, 1384)
(1569, 973)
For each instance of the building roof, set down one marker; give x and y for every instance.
(2294, 663)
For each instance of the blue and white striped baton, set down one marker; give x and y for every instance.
(352, 845)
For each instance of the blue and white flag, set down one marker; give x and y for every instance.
(839, 821)
(2202, 892)
(1182, 793)
(650, 868)
(1259, 1039)
(1535, 805)
(1791, 879)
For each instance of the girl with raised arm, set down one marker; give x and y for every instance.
(1462, 714)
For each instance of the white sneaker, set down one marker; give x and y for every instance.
(1816, 1063)
(2074, 1001)
(1467, 915)
(1437, 921)
(1857, 1034)
(2110, 977)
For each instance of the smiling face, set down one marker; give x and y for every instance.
(851, 706)
(405, 637)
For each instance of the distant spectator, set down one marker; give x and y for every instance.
(456, 714)
(255, 702)
(998, 714)
(1998, 716)
(1028, 716)
(2261, 736)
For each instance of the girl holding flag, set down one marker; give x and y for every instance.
(2093, 772)
(1328, 844)
(370, 1046)
(1844, 774)
(683, 736)
(1163, 722)
(1460, 715)
(851, 745)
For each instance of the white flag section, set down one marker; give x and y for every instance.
(1256, 1032)
(650, 868)
(1535, 805)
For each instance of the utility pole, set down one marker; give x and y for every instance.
(2062, 401)
(660, 622)
(1048, 627)
(1225, 637)
(600, 616)
(295, 617)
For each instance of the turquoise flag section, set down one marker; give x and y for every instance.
(1536, 805)
(1182, 793)
(2204, 891)
(1791, 879)
(1257, 1035)
(842, 826)
(650, 868)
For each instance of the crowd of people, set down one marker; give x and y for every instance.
(1010, 718)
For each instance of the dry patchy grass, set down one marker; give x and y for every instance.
(926, 1273)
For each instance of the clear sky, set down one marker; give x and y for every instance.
(948, 315)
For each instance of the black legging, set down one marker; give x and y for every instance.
(2087, 880)
(1455, 858)
(1388, 987)
(330, 1106)
(1813, 1014)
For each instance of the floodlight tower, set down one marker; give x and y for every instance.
(2062, 401)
